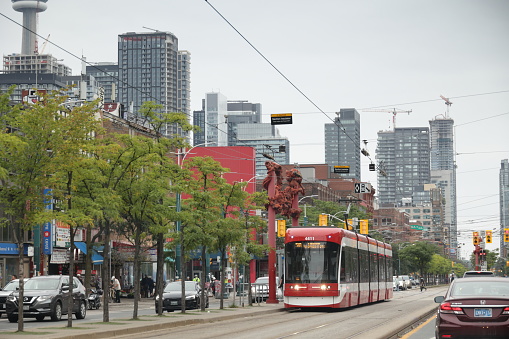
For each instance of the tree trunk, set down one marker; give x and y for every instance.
(106, 274)
(203, 293)
(223, 278)
(137, 269)
(159, 273)
(21, 275)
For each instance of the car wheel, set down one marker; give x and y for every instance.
(56, 315)
(39, 317)
(12, 318)
(82, 311)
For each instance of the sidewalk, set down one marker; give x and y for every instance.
(83, 329)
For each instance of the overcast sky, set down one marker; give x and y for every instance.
(340, 54)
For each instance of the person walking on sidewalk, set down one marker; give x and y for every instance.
(116, 287)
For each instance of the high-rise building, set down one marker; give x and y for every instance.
(403, 156)
(241, 112)
(106, 75)
(342, 142)
(504, 206)
(265, 138)
(149, 66)
(443, 174)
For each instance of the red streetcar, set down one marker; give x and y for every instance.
(336, 268)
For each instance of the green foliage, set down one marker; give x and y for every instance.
(419, 256)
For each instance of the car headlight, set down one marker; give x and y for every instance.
(157, 297)
(11, 298)
(44, 297)
(190, 297)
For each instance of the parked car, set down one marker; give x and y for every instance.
(48, 295)
(407, 281)
(260, 289)
(469, 274)
(10, 287)
(172, 296)
(474, 308)
(399, 282)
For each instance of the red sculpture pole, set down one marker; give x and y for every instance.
(295, 206)
(271, 214)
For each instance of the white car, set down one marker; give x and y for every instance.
(260, 289)
(407, 281)
(398, 281)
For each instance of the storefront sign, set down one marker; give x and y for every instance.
(59, 256)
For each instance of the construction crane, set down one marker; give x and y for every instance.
(152, 29)
(394, 112)
(448, 103)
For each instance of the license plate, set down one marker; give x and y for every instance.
(174, 303)
(482, 312)
(26, 307)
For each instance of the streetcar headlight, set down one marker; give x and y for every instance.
(324, 287)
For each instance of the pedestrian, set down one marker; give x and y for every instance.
(80, 278)
(196, 278)
(144, 286)
(150, 286)
(115, 284)
(423, 284)
(14, 277)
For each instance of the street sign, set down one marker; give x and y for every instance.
(362, 187)
(417, 227)
(281, 119)
(341, 169)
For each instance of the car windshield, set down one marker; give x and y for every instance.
(42, 284)
(177, 286)
(474, 287)
(11, 285)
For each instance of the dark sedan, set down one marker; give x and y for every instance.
(48, 296)
(172, 296)
(474, 308)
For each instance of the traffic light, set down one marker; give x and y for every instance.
(281, 228)
(476, 238)
(506, 234)
(488, 237)
(322, 220)
(363, 224)
(350, 224)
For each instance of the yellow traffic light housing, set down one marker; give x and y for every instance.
(322, 220)
(281, 228)
(476, 238)
(489, 238)
(363, 225)
(506, 234)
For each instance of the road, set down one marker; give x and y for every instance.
(367, 321)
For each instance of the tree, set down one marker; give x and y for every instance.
(159, 224)
(203, 209)
(419, 255)
(34, 141)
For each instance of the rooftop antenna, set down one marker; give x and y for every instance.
(152, 29)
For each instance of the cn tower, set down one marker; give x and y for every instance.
(29, 8)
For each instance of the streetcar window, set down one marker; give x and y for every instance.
(311, 262)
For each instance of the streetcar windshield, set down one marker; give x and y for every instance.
(311, 262)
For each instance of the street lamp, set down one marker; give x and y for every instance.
(305, 205)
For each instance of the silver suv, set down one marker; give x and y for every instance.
(469, 274)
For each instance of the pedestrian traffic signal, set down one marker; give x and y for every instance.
(506, 234)
(322, 220)
(476, 238)
(363, 225)
(488, 237)
(281, 228)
